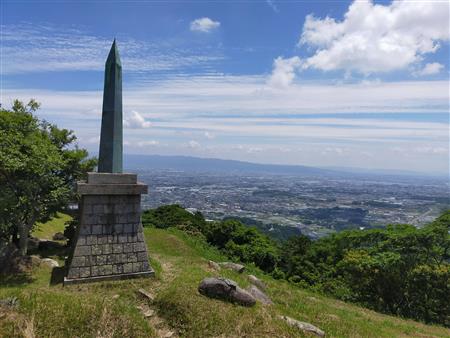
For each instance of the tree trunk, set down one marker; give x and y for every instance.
(23, 240)
(15, 238)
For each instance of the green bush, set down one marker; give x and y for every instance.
(401, 269)
(236, 240)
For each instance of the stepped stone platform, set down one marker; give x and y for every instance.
(109, 242)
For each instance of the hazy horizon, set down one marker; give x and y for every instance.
(331, 168)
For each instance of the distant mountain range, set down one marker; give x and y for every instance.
(187, 163)
(195, 164)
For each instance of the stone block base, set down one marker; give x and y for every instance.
(109, 242)
(68, 281)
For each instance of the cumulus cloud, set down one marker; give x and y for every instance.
(204, 25)
(283, 72)
(431, 69)
(136, 121)
(376, 38)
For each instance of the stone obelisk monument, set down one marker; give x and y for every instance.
(109, 243)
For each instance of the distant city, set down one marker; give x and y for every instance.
(315, 204)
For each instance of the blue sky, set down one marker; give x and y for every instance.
(322, 83)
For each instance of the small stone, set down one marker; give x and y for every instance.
(259, 295)
(146, 294)
(233, 266)
(214, 265)
(145, 310)
(50, 262)
(115, 297)
(225, 289)
(256, 281)
(148, 313)
(303, 326)
(169, 334)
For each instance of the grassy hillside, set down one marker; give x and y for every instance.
(110, 309)
(48, 229)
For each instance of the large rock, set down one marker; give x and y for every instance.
(259, 295)
(50, 262)
(256, 281)
(307, 327)
(233, 266)
(225, 289)
(213, 265)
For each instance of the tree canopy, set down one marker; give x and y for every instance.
(39, 164)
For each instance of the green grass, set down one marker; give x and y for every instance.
(47, 230)
(108, 309)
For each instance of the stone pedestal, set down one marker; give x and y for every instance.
(109, 243)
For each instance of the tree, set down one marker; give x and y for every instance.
(400, 269)
(39, 164)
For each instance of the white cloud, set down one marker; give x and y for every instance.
(335, 150)
(376, 38)
(243, 96)
(243, 110)
(136, 121)
(252, 150)
(193, 144)
(204, 25)
(93, 140)
(272, 5)
(283, 72)
(147, 143)
(38, 48)
(432, 150)
(431, 69)
(209, 135)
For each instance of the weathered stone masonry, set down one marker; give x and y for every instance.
(110, 242)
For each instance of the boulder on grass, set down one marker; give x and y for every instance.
(256, 281)
(259, 295)
(213, 265)
(233, 266)
(307, 327)
(225, 289)
(50, 262)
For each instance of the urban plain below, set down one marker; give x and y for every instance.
(314, 204)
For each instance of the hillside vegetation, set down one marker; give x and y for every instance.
(109, 309)
(399, 269)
